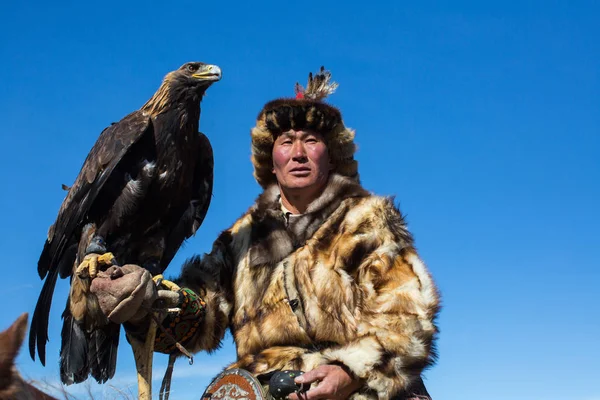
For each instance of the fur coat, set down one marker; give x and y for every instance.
(339, 284)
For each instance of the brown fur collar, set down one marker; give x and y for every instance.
(274, 236)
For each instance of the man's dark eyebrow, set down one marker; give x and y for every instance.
(287, 134)
(304, 134)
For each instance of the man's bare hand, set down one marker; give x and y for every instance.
(334, 383)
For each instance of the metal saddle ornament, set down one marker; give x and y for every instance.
(234, 384)
(239, 384)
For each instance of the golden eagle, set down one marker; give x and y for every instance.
(143, 189)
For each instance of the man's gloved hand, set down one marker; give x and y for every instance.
(126, 293)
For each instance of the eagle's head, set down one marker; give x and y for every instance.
(195, 74)
(186, 85)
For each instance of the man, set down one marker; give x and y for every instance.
(319, 275)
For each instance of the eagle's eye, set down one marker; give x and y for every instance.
(192, 67)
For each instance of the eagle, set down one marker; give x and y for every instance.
(144, 188)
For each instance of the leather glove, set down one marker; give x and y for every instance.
(126, 293)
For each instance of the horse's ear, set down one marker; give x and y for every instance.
(12, 385)
(10, 343)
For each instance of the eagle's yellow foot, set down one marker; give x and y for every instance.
(169, 295)
(159, 280)
(90, 263)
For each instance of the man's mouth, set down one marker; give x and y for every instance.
(300, 171)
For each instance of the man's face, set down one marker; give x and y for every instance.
(301, 161)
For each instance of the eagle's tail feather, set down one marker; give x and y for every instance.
(38, 331)
(103, 345)
(74, 366)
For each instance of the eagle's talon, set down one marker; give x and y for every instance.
(159, 280)
(107, 259)
(90, 263)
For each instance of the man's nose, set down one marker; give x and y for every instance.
(298, 151)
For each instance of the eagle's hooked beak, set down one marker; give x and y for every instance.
(208, 72)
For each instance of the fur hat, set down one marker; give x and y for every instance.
(307, 111)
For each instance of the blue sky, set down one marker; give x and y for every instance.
(483, 119)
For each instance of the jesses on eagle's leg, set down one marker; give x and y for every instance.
(97, 245)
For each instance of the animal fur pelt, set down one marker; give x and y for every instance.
(341, 284)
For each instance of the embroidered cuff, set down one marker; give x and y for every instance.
(183, 325)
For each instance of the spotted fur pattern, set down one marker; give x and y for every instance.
(341, 284)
